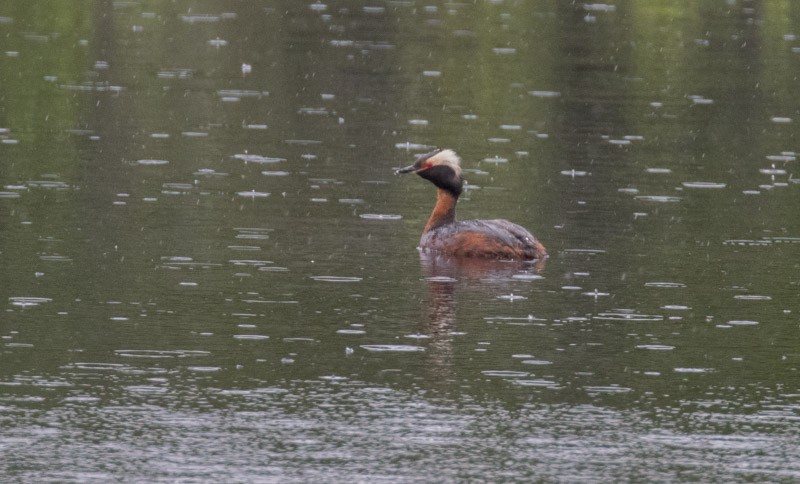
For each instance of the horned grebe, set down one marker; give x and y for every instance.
(496, 239)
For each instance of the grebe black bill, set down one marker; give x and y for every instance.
(495, 239)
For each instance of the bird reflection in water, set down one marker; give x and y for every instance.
(472, 276)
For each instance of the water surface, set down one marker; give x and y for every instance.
(210, 270)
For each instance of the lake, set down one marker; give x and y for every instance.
(211, 273)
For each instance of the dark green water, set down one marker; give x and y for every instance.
(210, 273)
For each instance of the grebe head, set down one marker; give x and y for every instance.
(440, 167)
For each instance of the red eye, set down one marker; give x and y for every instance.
(427, 165)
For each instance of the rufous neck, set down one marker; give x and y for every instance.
(444, 212)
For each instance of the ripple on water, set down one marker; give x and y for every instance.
(611, 389)
(536, 383)
(742, 322)
(527, 277)
(273, 269)
(658, 198)
(693, 370)
(670, 285)
(151, 162)
(782, 157)
(98, 366)
(752, 297)
(628, 316)
(28, 301)
(204, 369)
(504, 50)
(675, 307)
(544, 94)
(749, 243)
(417, 336)
(251, 337)
(393, 348)
(250, 262)
(696, 99)
(655, 347)
(412, 146)
(146, 389)
(336, 278)
(704, 185)
(249, 158)
(253, 194)
(252, 233)
(161, 354)
(441, 279)
(585, 251)
(55, 258)
(48, 184)
(380, 216)
(505, 373)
